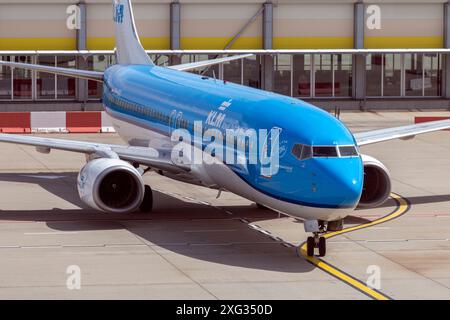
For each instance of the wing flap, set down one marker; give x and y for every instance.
(75, 73)
(404, 132)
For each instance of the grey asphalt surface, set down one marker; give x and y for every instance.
(194, 246)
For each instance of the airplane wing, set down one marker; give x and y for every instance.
(157, 159)
(404, 132)
(83, 74)
(207, 63)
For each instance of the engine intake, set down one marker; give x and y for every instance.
(377, 183)
(111, 185)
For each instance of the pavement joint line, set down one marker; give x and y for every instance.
(402, 240)
(224, 244)
(163, 257)
(50, 233)
(406, 268)
(383, 240)
(211, 230)
(70, 246)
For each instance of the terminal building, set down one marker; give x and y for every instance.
(385, 54)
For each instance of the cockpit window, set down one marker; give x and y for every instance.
(301, 151)
(348, 151)
(297, 150)
(306, 152)
(321, 152)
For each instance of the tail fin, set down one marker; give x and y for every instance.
(128, 47)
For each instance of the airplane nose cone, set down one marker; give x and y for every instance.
(339, 181)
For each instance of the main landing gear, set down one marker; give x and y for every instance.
(319, 229)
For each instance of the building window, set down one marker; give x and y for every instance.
(432, 69)
(46, 82)
(252, 71)
(392, 75)
(301, 68)
(65, 86)
(374, 74)
(323, 75)
(5, 80)
(98, 62)
(282, 75)
(413, 74)
(342, 70)
(332, 75)
(232, 71)
(403, 75)
(22, 79)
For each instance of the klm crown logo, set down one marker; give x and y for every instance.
(118, 13)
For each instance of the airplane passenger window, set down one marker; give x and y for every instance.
(322, 152)
(348, 151)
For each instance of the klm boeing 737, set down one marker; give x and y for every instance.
(306, 162)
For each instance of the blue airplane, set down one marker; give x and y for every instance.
(170, 118)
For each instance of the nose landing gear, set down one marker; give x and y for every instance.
(320, 228)
(316, 242)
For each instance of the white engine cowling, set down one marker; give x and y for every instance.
(377, 183)
(111, 185)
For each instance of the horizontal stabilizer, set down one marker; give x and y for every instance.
(207, 63)
(75, 73)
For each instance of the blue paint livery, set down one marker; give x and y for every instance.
(148, 95)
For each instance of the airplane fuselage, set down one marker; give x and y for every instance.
(148, 103)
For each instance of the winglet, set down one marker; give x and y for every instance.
(129, 49)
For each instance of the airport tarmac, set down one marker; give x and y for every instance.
(194, 246)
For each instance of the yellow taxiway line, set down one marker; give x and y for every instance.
(402, 207)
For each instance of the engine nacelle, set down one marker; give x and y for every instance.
(377, 183)
(111, 185)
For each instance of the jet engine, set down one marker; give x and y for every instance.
(377, 183)
(111, 185)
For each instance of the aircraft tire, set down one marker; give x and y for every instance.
(310, 246)
(322, 246)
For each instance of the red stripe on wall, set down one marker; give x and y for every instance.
(84, 121)
(15, 122)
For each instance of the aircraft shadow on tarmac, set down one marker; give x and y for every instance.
(233, 244)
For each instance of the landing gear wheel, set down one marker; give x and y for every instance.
(322, 246)
(310, 245)
(147, 204)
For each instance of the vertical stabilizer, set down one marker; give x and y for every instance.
(128, 47)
